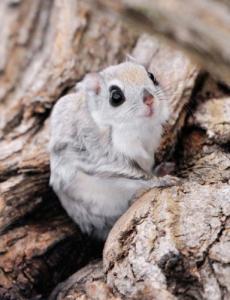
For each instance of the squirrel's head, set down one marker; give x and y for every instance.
(124, 94)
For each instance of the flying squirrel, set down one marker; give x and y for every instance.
(102, 145)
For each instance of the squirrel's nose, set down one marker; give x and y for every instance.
(148, 98)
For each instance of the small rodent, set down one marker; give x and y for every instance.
(103, 140)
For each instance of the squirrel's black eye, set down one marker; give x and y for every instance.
(153, 78)
(116, 96)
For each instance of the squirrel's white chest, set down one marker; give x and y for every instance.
(138, 143)
(98, 201)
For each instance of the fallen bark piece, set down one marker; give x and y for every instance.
(169, 240)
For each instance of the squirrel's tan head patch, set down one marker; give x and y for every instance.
(132, 74)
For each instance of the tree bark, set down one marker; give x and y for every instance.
(200, 28)
(175, 240)
(172, 243)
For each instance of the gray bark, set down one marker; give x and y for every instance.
(200, 28)
(172, 243)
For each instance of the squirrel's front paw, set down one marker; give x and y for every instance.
(169, 180)
(166, 181)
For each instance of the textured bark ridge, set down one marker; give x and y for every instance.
(177, 240)
(172, 243)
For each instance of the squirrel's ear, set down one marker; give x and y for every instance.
(141, 59)
(130, 58)
(144, 51)
(90, 83)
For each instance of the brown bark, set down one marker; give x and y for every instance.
(177, 238)
(201, 28)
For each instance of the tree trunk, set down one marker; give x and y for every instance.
(172, 243)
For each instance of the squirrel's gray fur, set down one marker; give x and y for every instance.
(102, 156)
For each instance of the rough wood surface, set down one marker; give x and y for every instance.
(175, 240)
(201, 28)
(46, 47)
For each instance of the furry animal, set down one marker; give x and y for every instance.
(103, 140)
